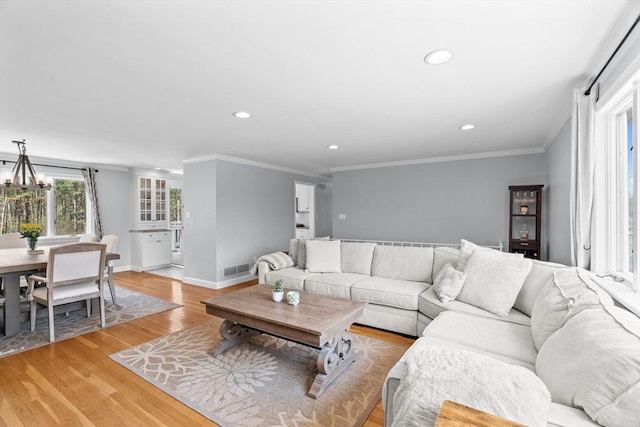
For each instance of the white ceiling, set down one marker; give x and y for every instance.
(152, 83)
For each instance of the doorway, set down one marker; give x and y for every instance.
(305, 210)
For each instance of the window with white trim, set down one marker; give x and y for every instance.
(617, 224)
(62, 211)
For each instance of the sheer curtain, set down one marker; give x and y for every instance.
(90, 182)
(582, 175)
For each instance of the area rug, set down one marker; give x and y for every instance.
(262, 382)
(131, 305)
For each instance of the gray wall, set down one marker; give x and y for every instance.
(436, 202)
(558, 166)
(113, 188)
(199, 233)
(242, 212)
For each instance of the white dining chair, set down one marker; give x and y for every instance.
(75, 272)
(88, 237)
(11, 240)
(111, 240)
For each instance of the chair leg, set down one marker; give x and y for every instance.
(102, 315)
(52, 336)
(32, 315)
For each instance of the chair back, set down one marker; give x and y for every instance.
(111, 240)
(76, 263)
(89, 237)
(11, 240)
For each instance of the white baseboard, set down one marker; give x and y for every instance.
(217, 285)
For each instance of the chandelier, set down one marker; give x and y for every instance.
(23, 176)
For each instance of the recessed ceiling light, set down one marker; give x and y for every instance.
(333, 147)
(439, 56)
(241, 115)
(468, 126)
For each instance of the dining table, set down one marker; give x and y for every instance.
(16, 262)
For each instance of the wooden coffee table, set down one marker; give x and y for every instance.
(318, 321)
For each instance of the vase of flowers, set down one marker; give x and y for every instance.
(31, 232)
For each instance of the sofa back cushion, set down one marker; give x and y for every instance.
(541, 273)
(323, 256)
(444, 255)
(356, 257)
(403, 263)
(593, 362)
(298, 250)
(566, 293)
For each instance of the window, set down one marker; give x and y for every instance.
(617, 226)
(62, 211)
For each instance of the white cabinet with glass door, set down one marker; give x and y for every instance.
(152, 203)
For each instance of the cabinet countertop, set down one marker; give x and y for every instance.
(151, 230)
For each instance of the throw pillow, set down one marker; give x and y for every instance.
(467, 248)
(593, 362)
(568, 292)
(448, 283)
(443, 255)
(493, 280)
(301, 260)
(323, 256)
(541, 272)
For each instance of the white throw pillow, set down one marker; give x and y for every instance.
(569, 292)
(493, 280)
(448, 283)
(323, 256)
(593, 362)
(467, 248)
(301, 259)
(541, 272)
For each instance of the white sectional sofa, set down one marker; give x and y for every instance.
(555, 340)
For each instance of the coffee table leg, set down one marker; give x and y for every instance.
(232, 334)
(335, 356)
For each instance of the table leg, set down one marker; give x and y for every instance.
(11, 304)
(335, 356)
(232, 334)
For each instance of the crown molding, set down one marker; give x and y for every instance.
(442, 159)
(247, 162)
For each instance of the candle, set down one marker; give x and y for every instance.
(7, 178)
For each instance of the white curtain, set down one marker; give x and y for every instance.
(582, 175)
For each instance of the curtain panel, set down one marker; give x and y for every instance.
(90, 182)
(582, 175)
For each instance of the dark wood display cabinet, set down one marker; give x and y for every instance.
(525, 214)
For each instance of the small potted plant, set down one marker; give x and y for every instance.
(278, 291)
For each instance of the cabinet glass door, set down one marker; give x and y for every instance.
(145, 199)
(161, 200)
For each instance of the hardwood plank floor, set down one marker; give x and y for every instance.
(73, 382)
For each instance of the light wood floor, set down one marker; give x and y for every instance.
(73, 382)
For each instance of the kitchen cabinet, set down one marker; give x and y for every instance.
(302, 233)
(150, 249)
(525, 217)
(302, 198)
(152, 203)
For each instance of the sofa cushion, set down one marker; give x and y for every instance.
(493, 280)
(443, 255)
(593, 362)
(389, 292)
(430, 305)
(333, 284)
(292, 277)
(323, 256)
(448, 283)
(541, 272)
(402, 263)
(435, 373)
(356, 257)
(508, 340)
(567, 293)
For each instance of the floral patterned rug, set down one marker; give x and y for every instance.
(131, 305)
(261, 382)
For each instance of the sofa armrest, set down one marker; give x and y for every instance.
(389, 388)
(263, 269)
